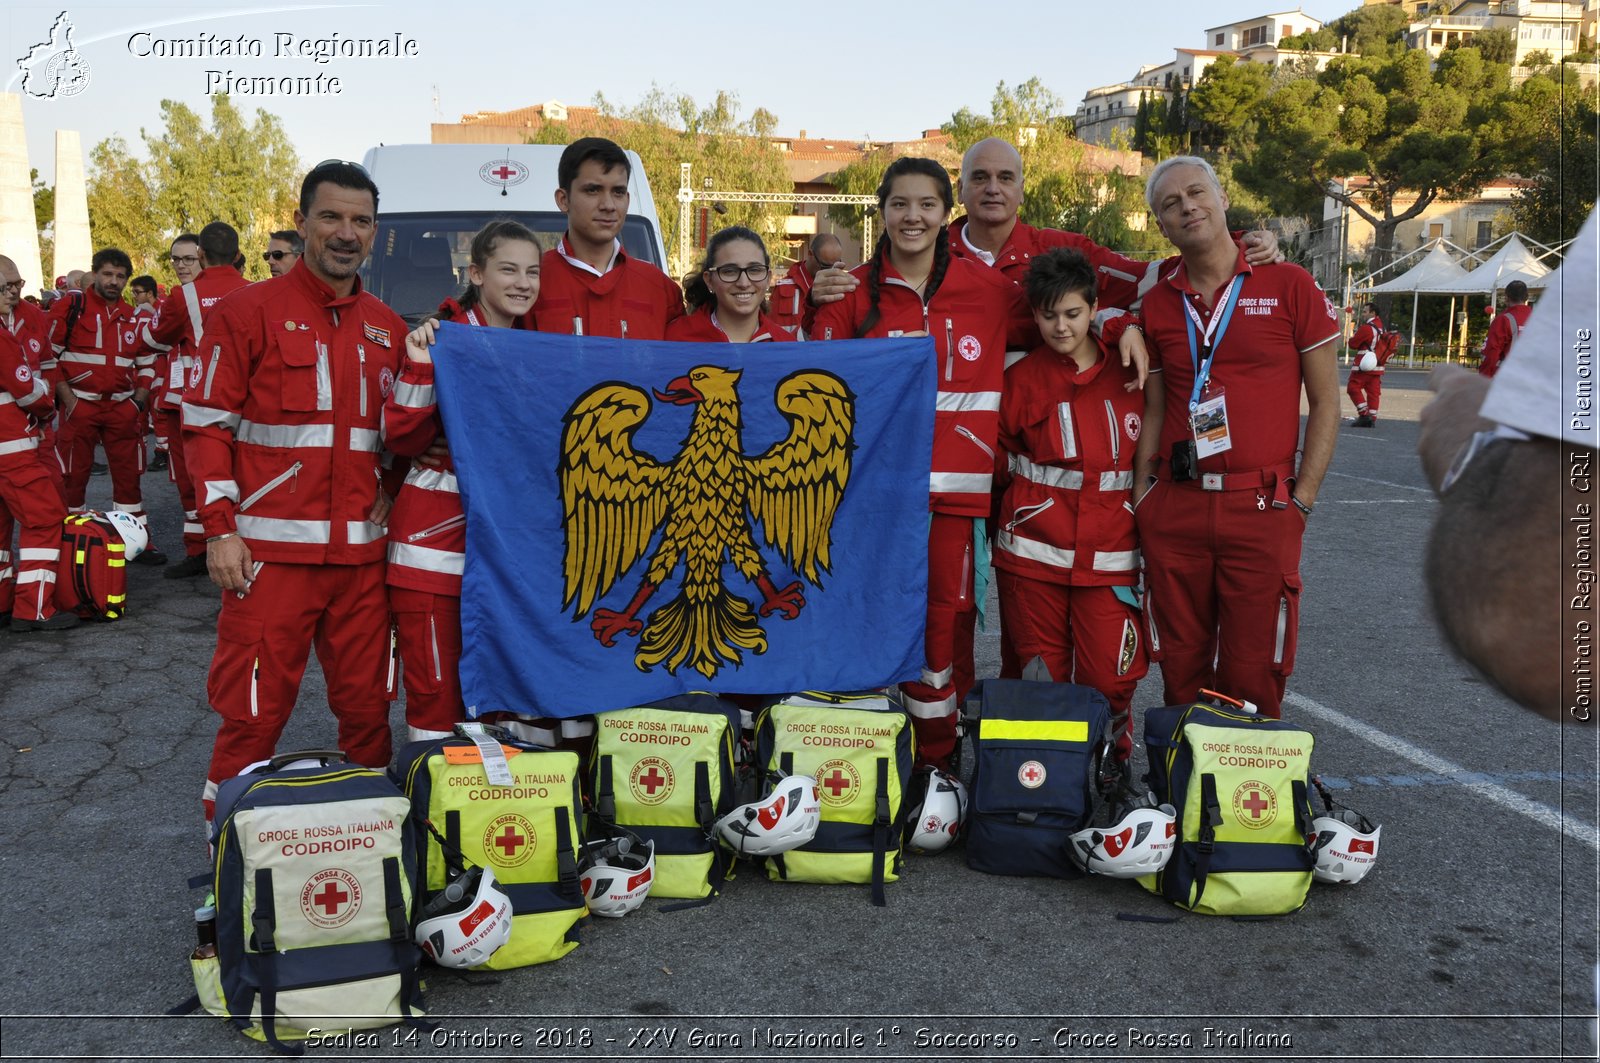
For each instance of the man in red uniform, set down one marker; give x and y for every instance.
(29, 325)
(104, 389)
(1365, 387)
(590, 286)
(27, 496)
(176, 330)
(281, 433)
(284, 248)
(1222, 523)
(142, 293)
(790, 294)
(1505, 328)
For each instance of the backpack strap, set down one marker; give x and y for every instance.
(881, 823)
(1210, 820)
(566, 858)
(263, 923)
(605, 799)
(405, 952)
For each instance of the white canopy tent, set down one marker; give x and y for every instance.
(1435, 274)
(1513, 262)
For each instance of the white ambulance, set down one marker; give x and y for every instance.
(433, 198)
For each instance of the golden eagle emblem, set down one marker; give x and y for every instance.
(706, 502)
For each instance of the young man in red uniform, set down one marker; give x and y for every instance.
(1066, 552)
(590, 286)
(1365, 386)
(790, 295)
(281, 433)
(1230, 348)
(176, 330)
(105, 388)
(1505, 328)
(28, 497)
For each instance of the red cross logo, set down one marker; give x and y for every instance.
(505, 173)
(652, 780)
(836, 783)
(1255, 803)
(331, 898)
(1031, 774)
(509, 841)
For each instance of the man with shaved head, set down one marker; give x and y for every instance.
(27, 323)
(789, 295)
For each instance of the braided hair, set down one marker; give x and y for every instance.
(901, 167)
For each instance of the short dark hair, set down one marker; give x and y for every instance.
(185, 238)
(1057, 274)
(295, 241)
(344, 174)
(144, 282)
(608, 153)
(111, 256)
(1516, 292)
(219, 244)
(1371, 306)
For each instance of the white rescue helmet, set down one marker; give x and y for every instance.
(1140, 843)
(785, 819)
(615, 874)
(937, 819)
(134, 536)
(1368, 363)
(1345, 844)
(466, 921)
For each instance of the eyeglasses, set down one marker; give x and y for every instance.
(277, 256)
(730, 273)
(185, 260)
(13, 286)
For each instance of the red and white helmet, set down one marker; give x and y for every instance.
(1140, 843)
(936, 820)
(466, 921)
(134, 536)
(785, 819)
(1345, 844)
(615, 874)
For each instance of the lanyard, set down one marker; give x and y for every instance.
(1213, 331)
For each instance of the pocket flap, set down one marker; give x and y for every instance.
(298, 346)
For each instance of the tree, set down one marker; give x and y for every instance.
(859, 177)
(235, 170)
(44, 216)
(1374, 29)
(1223, 102)
(1551, 135)
(1496, 46)
(735, 156)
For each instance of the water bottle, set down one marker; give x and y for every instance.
(205, 926)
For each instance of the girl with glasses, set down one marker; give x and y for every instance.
(727, 294)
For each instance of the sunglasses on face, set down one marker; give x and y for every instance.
(277, 256)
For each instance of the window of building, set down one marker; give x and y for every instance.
(1485, 233)
(1435, 230)
(1219, 40)
(1438, 38)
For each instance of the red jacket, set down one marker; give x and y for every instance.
(1366, 337)
(788, 299)
(1503, 332)
(179, 325)
(32, 330)
(99, 359)
(1066, 466)
(281, 434)
(428, 527)
(971, 318)
(1122, 280)
(632, 300)
(24, 404)
(702, 327)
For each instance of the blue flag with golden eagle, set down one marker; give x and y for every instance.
(650, 518)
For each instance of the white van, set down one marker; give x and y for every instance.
(433, 198)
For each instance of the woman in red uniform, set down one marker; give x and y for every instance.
(727, 296)
(1066, 552)
(911, 286)
(427, 529)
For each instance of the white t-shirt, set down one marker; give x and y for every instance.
(1547, 387)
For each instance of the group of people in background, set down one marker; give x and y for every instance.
(1137, 480)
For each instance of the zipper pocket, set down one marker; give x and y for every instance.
(1116, 444)
(433, 638)
(1283, 630)
(966, 573)
(255, 680)
(949, 345)
(361, 353)
(271, 485)
(1031, 511)
(443, 525)
(972, 437)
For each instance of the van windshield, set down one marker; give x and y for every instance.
(419, 259)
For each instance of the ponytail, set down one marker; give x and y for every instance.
(874, 280)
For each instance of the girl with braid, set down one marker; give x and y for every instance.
(912, 286)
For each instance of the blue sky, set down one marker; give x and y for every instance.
(879, 69)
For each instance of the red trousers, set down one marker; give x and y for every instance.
(29, 499)
(115, 426)
(1222, 591)
(1085, 635)
(949, 673)
(263, 642)
(170, 422)
(428, 630)
(1365, 389)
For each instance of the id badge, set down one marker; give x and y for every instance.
(1209, 423)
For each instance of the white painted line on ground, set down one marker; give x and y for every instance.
(1509, 799)
(1385, 483)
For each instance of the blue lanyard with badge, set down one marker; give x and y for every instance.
(1208, 406)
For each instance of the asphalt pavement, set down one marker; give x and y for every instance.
(1473, 938)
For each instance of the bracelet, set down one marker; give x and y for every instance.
(220, 538)
(1133, 326)
(1301, 506)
